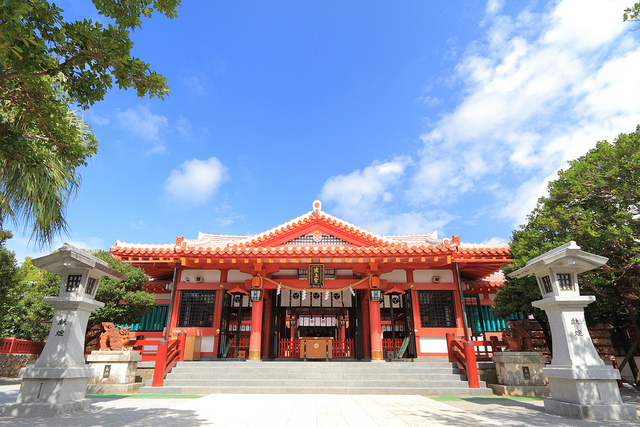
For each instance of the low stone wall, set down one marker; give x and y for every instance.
(487, 372)
(10, 364)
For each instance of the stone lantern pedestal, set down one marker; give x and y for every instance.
(57, 382)
(582, 386)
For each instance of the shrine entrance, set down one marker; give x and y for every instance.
(330, 318)
(235, 325)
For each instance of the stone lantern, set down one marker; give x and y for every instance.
(57, 382)
(582, 386)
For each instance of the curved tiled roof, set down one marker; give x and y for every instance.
(262, 244)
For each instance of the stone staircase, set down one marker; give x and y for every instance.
(430, 377)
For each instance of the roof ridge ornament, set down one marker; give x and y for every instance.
(317, 207)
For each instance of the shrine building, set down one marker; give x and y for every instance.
(319, 279)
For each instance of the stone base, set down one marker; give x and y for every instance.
(591, 412)
(45, 409)
(520, 368)
(521, 390)
(113, 388)
(113, 367)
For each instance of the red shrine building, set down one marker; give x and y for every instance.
(320, 287)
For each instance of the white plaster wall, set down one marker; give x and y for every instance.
(396, 276)
(207, 344)
(433, 345)
(422, 276)
(237, 276)
(207, 275)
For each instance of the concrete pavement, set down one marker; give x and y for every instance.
(305, 410)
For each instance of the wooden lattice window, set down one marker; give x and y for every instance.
(437, 309)
(196, 309)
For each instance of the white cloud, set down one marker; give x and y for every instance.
(184, 127)
(142, 123)
(360, 190)
(92, 118)
(538, 92)
(195, 181)
(540, 89)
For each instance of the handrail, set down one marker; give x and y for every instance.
(13, 345)
(169, 353)
(463, 354)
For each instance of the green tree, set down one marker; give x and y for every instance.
(596, 202)
(124, 301)
(9, 279)
(31, 316)
(28, 316)
(49, 68)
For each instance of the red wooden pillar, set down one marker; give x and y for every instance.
(256, 331)
(376, 331)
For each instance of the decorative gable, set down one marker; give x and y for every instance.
(316, 228)
(317, 238)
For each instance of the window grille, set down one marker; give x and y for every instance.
(437, 309)
(73, 282)
(325, 240)
(196, 309)
(546, 284)
(564, 280)
(91, 284)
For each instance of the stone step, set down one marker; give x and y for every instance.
(424, 391)
(431, 376)
(327, 367)
(315, 383)
(284, 377)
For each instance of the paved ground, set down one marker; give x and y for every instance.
(306, 410)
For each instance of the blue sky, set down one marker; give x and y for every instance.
(401, 117)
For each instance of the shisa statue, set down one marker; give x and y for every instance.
(114, 338)
(517, 338)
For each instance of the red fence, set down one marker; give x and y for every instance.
(169, 353)
(342, 348)
(13, 345)
(463, 354)
(291, 348)
(387, 345)
(243, 348)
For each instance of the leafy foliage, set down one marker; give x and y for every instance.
(125, 301)
(25, 314)
(49, 67)
(595, 202)
(632, 13)
(9, 277)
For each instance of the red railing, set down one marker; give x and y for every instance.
(463, 354)
(243, 347)
(168, 354)
(143, 346)
(13, 345)
(387, 345)
(291, 348)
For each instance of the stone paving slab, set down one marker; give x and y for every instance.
(306, 410)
